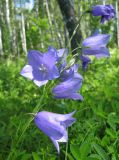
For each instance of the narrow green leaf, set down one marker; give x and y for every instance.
(100, 151)
(96, 156)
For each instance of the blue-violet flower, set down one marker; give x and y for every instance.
(68, 88)
(96, 45)
(41, 67)
(105, 11)
(54, 125)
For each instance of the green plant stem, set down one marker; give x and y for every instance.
(25, 127)
(66, 148)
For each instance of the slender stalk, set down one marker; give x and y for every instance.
(24, 128)
(66, 148)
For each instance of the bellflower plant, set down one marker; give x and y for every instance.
(96, 45)
(53, 64)
(54, 125)
(105, 11)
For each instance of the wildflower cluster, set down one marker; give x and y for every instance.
(53, 64)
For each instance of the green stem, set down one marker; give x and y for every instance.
(25, 127)
(66, 151)
(66, 148)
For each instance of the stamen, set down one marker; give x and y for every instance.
(42, 68)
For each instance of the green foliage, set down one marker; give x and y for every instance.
(95, 135)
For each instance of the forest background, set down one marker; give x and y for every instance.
(95, 135)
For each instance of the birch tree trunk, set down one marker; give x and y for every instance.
(8, 22)
(23, 34)
(14, 35)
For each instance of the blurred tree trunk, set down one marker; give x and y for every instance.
(40, 8)
(49, 17)
(68, 13)
(56, 28)
(37, 8)
(13, 25)
(104, 2)
(1, 18)
(8, 23)
(23, 34)
(1, 47)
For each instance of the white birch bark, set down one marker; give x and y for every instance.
(23, 34)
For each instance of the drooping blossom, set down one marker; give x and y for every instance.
(41, 67)
(54, 125)
(96, 45)
(68, 88)
(105, 11)
(85, 61)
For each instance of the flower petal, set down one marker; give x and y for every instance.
(64, 138)
(61, 117)
(85, 61)
(96, 51)
(27, 72)
(68, 122)
(53, 73)
(74, 96)
(62, 54)
(99, 10)
(67, 87)
(40, 83)
(55, 142)
(50, 128)
(35, 58)
(40, 75)
(98, 40)
(52, 52)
